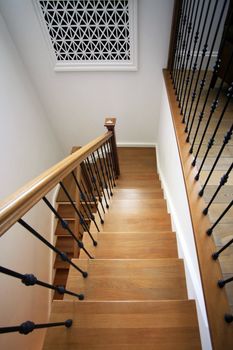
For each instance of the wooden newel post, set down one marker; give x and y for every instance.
(110, 125)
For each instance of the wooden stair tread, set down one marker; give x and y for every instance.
(131, 246)
(143, 204)
(138, 193)
(135, 223)
(133, 325)
(129, 279)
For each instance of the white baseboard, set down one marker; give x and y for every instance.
(136, 144)
(193, 283)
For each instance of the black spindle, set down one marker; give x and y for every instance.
(81, 218)
(192, 67)
(111, 176)
(62, 255)
(228, 318)
(29, 326)
(103, 175)
(31, 280)
(180, 41)
(96, 169)
(66, 226)
(202, 84)
(93, 180)
(109, 150)
(226, 139)
(85, 207)
(223, 181)
(214, 105)
(88, 188)
(106, 171)
(186, 81)
(184, 47)
(222, 283)
(210, 230)
(177, 42)
(195, 66)
(215, 255)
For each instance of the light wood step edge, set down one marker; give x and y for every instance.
(132, 325)
(126, 279)
(131, 245)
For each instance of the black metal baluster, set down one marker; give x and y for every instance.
(210, 230)
(81, 218)
(214, 106)
(99, 178)
(112, 159)
(222, 283)
(201, 115)
(31, 280)
(202, 84)
(195, 68)
(109, 150)
(225, 142)
(106, 171)
(186, 81)
(29, 326)
(228, 318)
(222, 183)
(93, 178)
(177, 41)
(111, 176)
(179, 54)
(226, 139)
(87, 211)
(62, 255)
(216, 254)
(103, 175)
(93, 198)
(65, 225)
(184, 46)
(192, 67)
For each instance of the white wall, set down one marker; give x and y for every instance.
(27, 147)
(77, 102)
(170, 171)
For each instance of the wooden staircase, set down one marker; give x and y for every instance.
(135, 293)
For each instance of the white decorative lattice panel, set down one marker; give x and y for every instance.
(90, 34)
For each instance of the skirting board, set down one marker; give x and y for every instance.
(136, 144)
(193, 285)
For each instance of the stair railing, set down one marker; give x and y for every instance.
(94, 169)
(198, 28)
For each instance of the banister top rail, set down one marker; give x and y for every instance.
(16, 205)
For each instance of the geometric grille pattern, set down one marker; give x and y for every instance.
(88, 30)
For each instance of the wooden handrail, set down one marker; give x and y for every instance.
(17, 204)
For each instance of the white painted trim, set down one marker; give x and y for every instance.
(190, 270)
(136, 144)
